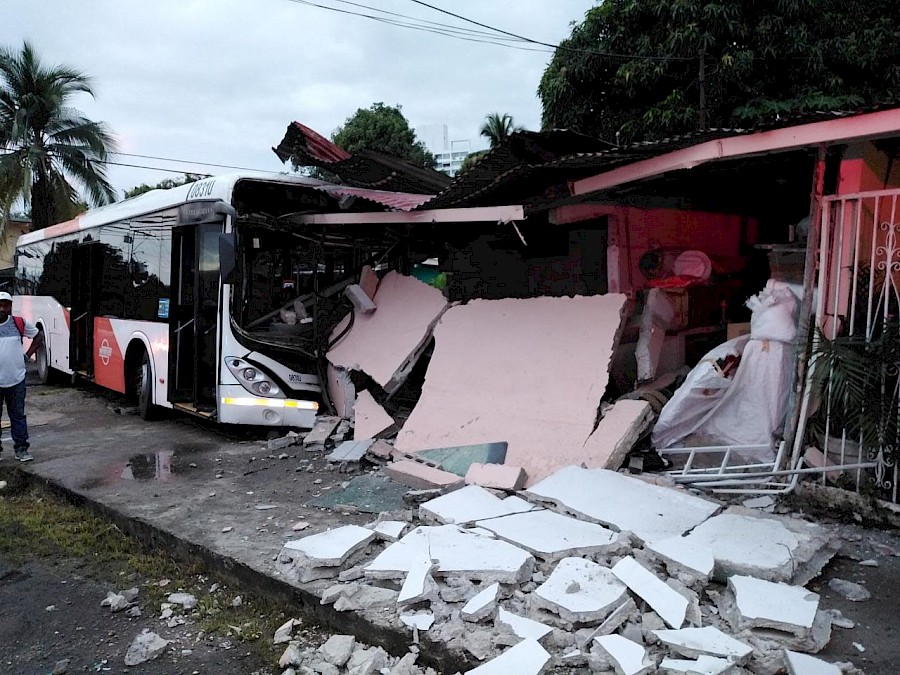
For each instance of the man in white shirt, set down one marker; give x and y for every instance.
(13, 330)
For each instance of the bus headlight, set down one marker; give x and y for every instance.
(252, 378)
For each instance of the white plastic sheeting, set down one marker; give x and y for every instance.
(749, 408)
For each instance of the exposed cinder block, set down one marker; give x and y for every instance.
(498, 476)
(358, 298)
(421, 476)
(350, 451)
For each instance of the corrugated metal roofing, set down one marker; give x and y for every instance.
(401, 201)
(366, 169)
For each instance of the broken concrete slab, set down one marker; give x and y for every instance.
(389, 530)
(422, 477)
(369, 418)
(418, 585)
(849, 590)
(350, 451)
(766, 604)
(774, 548)
(580, 591)
(481, 605)
(386, 344)
(612, 623)
(419, 620)
(665, 601)
(493, 376)
(337, 649)
(497, 476)
(804, 664)
(368, 281)
(704, 665)
(458, 459)
(320, 556)
(657, 318)
(526, 658)
(522, 626)
(649, 511)
(708, 640)
(683, 557)
(617, 432)
(458, 552)
(467, 505)
(381, 449)
(550, 535)
(341, 391)
(324, 427)
(360, 597)
(627, 657)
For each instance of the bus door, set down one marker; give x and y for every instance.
(193, 316)
(87, 275)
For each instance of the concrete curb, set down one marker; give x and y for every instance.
(394, 641)
(844, 505)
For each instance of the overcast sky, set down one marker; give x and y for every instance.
(219, 80)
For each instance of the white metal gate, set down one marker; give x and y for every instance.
(857, 307)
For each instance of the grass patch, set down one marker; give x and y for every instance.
(36, 524)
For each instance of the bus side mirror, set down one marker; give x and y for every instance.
(227, 259)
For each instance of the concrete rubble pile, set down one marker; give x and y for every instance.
(585, 570)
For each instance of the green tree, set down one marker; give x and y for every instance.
(644, 69)
(46, 142)
(165, 184)
(497, 128)
(383, 128)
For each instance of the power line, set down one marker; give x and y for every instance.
(554, 46)
(445, 30)
(191, 161)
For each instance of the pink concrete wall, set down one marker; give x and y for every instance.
(634, 231)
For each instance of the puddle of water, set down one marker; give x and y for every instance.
(160, 466)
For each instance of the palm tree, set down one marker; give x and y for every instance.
(497, 128)
(44, 143)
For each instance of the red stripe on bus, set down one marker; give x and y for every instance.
(109, 362)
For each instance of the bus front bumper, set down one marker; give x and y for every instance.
(237, 406)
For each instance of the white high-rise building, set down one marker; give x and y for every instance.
(450, 154)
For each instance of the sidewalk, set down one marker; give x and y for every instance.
(196, 490)
(219, 494)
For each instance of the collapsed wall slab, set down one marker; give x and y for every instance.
(530, 371)
(386, 343)
(649, 511)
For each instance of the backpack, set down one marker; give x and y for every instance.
(20, 325)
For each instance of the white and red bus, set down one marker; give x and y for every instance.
(216, 298)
